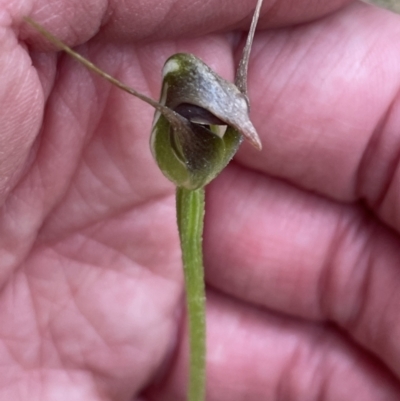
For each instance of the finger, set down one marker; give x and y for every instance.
(255, 355)
(274, 245)
(325, 99)
(21, 104)
(171, 19)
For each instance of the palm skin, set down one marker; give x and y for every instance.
(302, 268)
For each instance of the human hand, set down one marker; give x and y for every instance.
(299, 270)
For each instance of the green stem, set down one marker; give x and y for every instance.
(190, 215)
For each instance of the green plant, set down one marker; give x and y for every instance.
(197, 129)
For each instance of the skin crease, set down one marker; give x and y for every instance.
(301, 240)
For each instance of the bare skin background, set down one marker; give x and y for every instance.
(302, 239)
